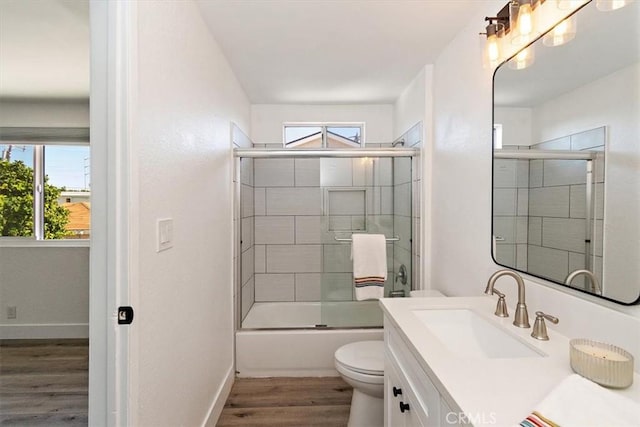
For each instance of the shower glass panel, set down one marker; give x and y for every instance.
(362, 195)
(291, 270)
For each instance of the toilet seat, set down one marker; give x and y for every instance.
(363, 357)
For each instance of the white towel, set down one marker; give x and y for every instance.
(576, 401)
(369, 255)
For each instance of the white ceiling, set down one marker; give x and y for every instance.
(332, 51)
(44, 49)
(282, 51)
(312, 52)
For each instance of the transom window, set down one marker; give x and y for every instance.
(323, 135)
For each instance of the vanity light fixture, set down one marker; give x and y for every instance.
(522, 22)
(607, 5)
(492, 54)
(523, 59)
(514, 22)
(562, 33)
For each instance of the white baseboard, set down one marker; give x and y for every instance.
(44, 331)
(220, 399)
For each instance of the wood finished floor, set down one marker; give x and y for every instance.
(44, 382)
(287, 402)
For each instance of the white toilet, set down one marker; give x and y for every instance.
(361, 365)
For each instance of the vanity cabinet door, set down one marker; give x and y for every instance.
(394, 390)
(426, 407)
(401, 408)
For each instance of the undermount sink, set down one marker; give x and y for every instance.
(467, 334)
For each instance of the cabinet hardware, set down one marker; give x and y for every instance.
(396, 391)
(404, 407)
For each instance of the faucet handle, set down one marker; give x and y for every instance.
(540, 328)
(501, 307)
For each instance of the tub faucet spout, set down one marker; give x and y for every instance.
(521, 317)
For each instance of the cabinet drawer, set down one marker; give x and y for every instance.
(402, 408)
(427, 395)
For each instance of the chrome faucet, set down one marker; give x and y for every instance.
(521, 319)
(595, 285)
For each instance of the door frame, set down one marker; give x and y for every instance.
(112, 56)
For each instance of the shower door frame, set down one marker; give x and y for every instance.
(269, 153)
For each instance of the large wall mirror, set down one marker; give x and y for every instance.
(566, 158)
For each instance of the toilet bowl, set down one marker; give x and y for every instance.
(361, 365)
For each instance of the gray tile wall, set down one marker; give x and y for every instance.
(510, 210)
(298, 207)
(407, 187)
(243, 227)
(539, 209)
(557, 209)
(247, 236)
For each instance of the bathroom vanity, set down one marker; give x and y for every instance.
(450, 361)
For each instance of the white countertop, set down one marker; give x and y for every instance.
(504, 390)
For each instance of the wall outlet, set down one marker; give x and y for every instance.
(12, 312)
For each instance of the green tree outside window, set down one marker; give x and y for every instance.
(16, 203)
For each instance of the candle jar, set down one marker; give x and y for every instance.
(605, 364)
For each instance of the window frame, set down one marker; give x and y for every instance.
(323, 126)
(74, 137)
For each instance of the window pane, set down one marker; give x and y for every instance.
(16, 190)
(344, 136)
(67, 212)
(299, 136)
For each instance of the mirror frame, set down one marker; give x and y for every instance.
(493, 160)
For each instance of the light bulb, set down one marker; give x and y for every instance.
(523, 59)
(562, 33)
(492, 52)
(525, 20)
(607, 5)
(522, 22)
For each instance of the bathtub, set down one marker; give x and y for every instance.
(281, 339)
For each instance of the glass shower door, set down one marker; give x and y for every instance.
(360, 195)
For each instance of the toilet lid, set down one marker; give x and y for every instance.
(366, 357)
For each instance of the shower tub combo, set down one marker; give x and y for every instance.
(294, 290)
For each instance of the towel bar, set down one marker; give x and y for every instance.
(388, 239)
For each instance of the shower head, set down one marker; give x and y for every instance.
(398, 142)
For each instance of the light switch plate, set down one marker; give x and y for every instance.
(164, 233)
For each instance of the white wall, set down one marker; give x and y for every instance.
(267, 120)
(460, 228)
(183, 333)
(44, 112)
(49, 286)
(516, 125)
(410, 107)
